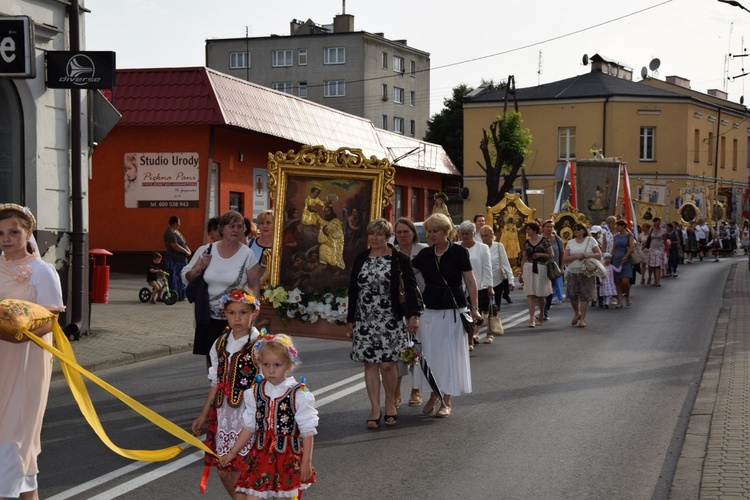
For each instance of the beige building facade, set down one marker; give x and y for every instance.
(667, 135)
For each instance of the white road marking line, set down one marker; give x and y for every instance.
(184, 461)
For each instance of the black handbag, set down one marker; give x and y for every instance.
(196, 292)
(466, 319)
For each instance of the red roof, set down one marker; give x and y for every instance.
(166, 96)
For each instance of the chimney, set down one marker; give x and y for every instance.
(343, 23)
(718, 93)
(678, 80)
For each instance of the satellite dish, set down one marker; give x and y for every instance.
(585, 60)
(644, 72)
(742, 99)
(654, 64)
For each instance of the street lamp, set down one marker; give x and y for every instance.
(735, 3)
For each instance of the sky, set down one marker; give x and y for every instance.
(537, 41)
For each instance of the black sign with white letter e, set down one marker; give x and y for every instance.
(80, 70)
(17, 47)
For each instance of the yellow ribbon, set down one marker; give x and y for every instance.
(73, 371)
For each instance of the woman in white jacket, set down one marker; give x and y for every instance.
(479, 255)
(501, 272)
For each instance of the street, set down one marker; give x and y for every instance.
(556, 412)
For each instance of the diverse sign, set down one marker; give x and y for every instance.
(80, 70)
(161, 180)
(17, 47)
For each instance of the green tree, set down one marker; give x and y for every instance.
(446, 128)
(504, 150)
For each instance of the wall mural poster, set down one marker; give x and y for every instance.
(161, 180)
(261, 199)
(597, 183)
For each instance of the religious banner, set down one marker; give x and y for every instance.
(597, 183)
(696, 196)
(507, 219)
(647, 212)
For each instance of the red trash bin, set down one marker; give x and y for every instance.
(99, 275)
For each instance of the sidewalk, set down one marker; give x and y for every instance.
(126, 331)
(715, 456)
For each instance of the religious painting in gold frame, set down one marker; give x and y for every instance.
(647, 211)
(564, 222)
(324, 199)
(507, 219)
(689, 212)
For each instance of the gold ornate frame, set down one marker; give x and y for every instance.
(564, 222)
(344, 167)
(647, 211)
(689, 212)
(507, 219)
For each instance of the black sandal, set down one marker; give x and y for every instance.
(391, 420)
(376, 421)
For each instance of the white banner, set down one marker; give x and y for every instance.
(161, 180)
(260, 191)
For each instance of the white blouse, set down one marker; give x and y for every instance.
(501, 269)
(305, 413)
(479, 255)
(575, 248)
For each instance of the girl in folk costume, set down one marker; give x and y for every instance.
(232, 372)
(440, 205)
(608, 288)
(279, 420)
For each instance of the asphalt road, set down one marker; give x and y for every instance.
(557, 412)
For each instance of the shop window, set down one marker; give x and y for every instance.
(11, 144)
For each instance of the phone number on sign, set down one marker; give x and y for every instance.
(167, 204)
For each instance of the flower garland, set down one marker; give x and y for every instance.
(308, 307)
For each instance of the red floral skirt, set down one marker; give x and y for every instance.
(270, 473)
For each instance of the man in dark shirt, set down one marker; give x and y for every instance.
(177, 256)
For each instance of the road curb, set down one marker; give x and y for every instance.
(686, 483)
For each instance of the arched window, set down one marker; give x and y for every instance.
(11, 145)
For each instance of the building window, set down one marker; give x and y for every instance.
(398, 64)
(302, 57)
(384, 93)
(285, 87)
(239, 60)
(566, 143)
(734, 154)
(412, 98)
(711, 148)
(647, 144)
(412, 128)
(416, 204)
(398, 202)
(398, 125)
(303, 90)
(723, 162)
(282, 58)
(385, 60)
(334, 88)
(334, 55)
(697, 146)
(11, 144)
(398, 95)
(412, 68)
(385, 122)
(236, 201)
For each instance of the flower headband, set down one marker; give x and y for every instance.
(239, 296)
(21, 210)
(280, 338)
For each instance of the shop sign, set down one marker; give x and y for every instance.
(80, 70)
(17, 47)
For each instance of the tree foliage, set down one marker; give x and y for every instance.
(446, 128)
(504, 150)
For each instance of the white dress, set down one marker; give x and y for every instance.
(229, 418)
(25, 371)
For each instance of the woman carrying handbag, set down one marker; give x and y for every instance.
(501, 273)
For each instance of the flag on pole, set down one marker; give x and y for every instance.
(558, 201)
(627, 199)
(573, 197)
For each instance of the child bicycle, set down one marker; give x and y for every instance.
(167, 295)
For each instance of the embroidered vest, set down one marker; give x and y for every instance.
(278, 413)
(234, 374)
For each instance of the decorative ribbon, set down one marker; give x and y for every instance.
(73, 371)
